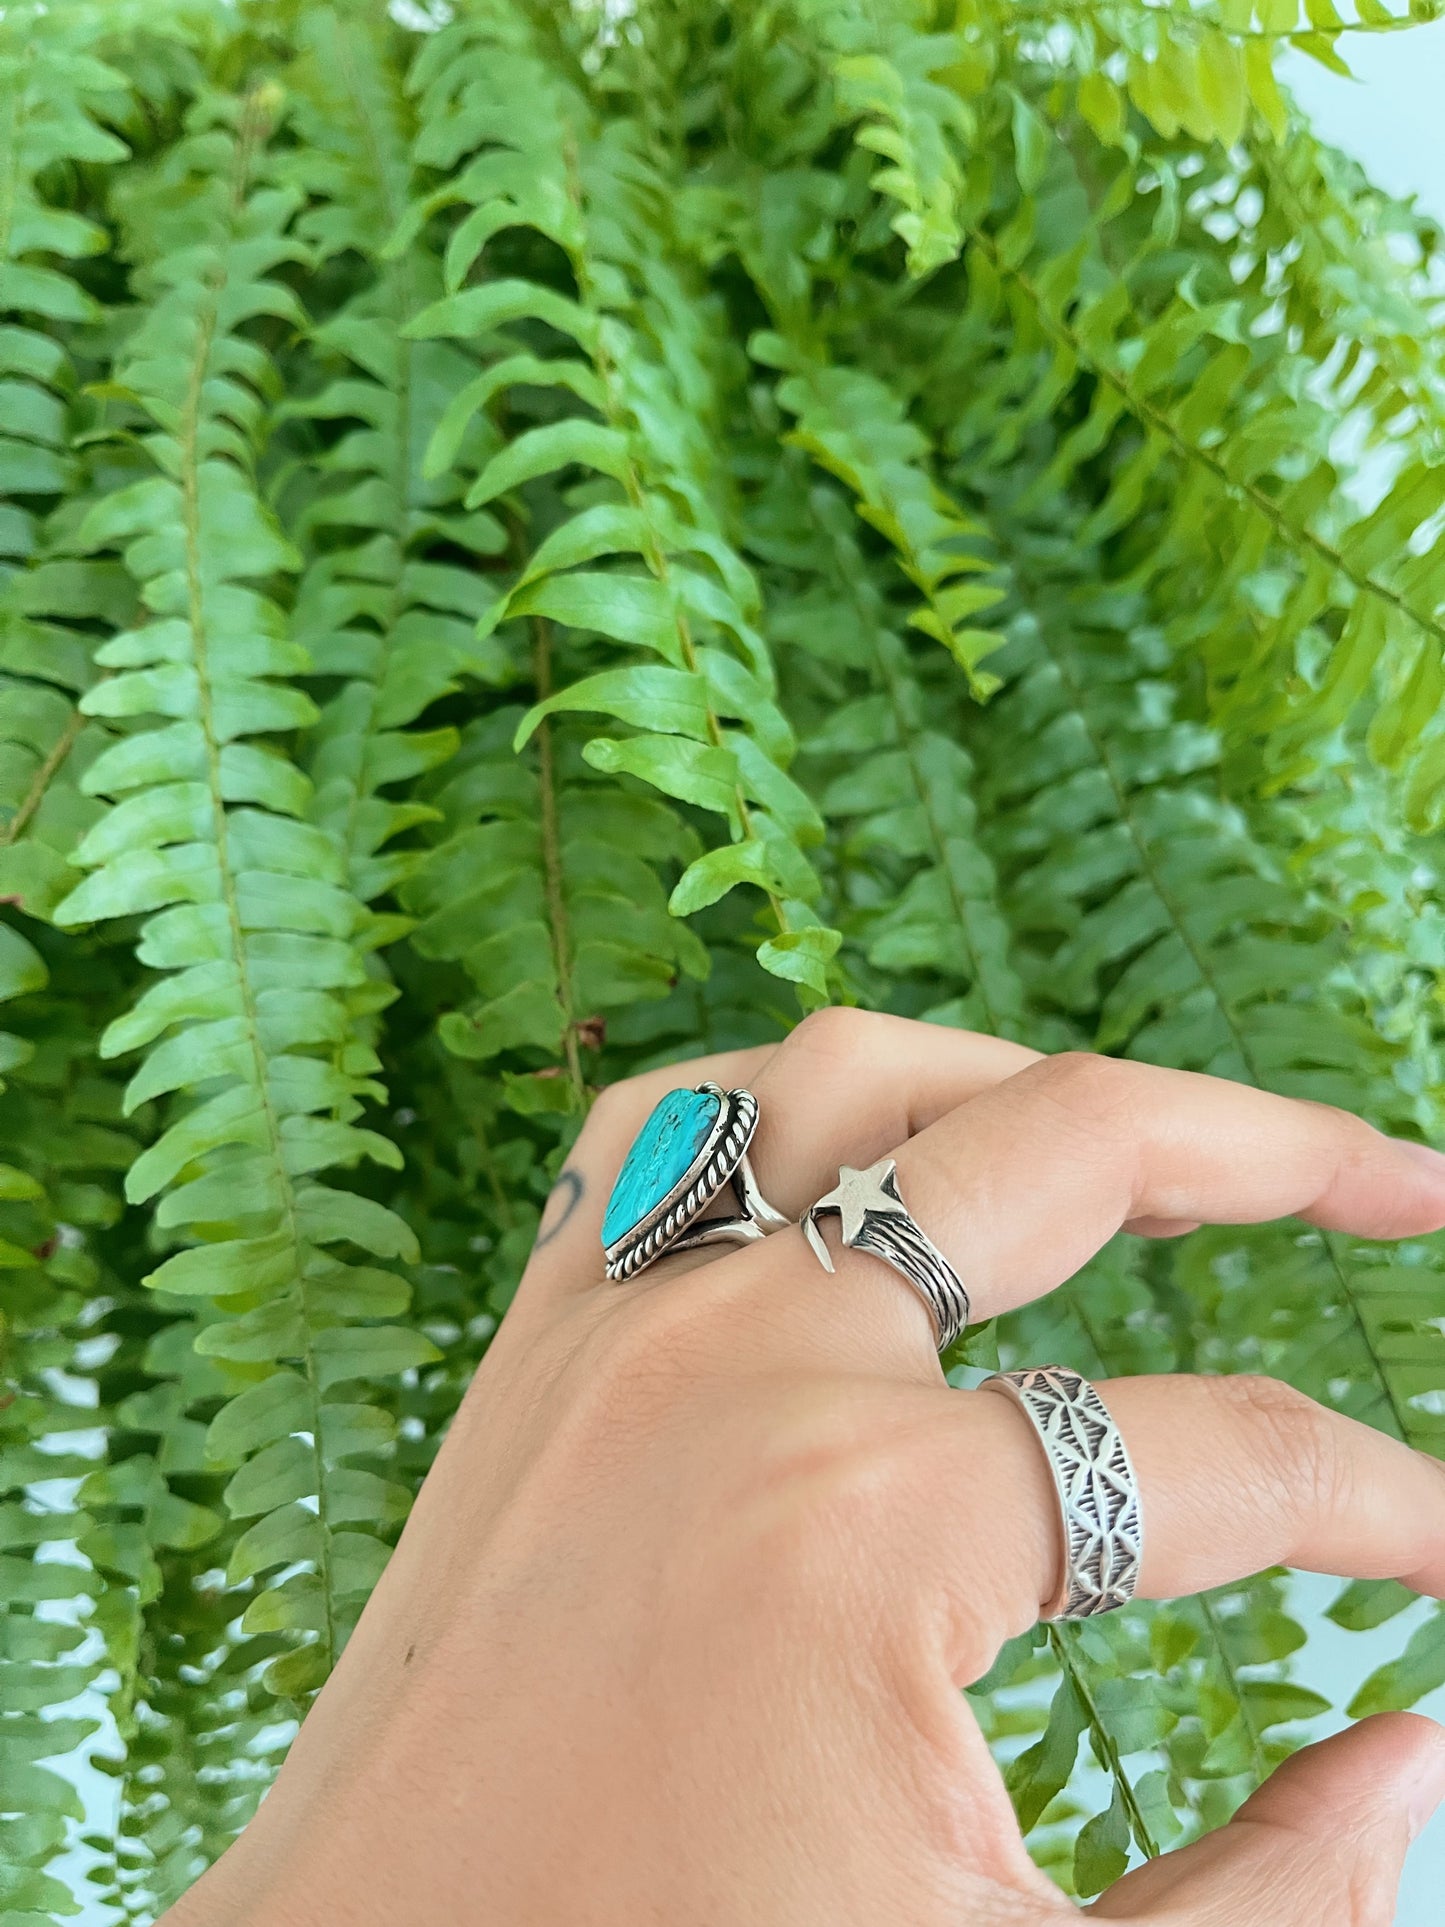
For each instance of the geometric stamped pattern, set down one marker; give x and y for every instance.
(1098, 1493)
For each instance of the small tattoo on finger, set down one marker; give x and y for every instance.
(569, 1188)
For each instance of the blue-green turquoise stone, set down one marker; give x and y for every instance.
(661, 1153)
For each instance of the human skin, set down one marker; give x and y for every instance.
(676, 1632)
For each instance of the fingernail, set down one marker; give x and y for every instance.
(1427, 1791)
(1424, 1155)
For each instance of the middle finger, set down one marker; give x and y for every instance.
(1023, 1184)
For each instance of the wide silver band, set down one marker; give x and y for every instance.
(874, 1218)
(1097, 1490)
(721, 1167)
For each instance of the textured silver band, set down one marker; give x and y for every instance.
(1098, 1492)
(676, 1223)
(874, 1218)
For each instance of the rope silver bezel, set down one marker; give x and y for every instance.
(673, 1216)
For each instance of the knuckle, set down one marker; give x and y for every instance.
(1278, 1407)
(813, 1542)
(615, 1102)
(824, 1056)
(1295, 1441)
(1344, 1141)
(1360, 1144)
(1087, 1085)
(1348, 1874)
(831, 1034)
(844, 1495)
(1371, 1900)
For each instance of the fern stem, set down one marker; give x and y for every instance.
(340, 47)
(1236, 1687)
(557, 918)
(1383, 345)
(655, 555)
(19, 96)
(958, 903)
(1079, 1309)
(44, 776)
(253, 129)
(401, 288)
(882, 648)
(554, 889)
(1104, 1745)
(486, 1156)
(1292, 534)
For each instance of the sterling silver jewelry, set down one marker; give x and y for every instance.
(692, 1149)
(874, 1218)
(1098, 1493)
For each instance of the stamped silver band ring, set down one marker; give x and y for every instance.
(692, 1150)
(1097, 1490)
(874, 1218)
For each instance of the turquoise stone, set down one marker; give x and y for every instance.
(661, 1153)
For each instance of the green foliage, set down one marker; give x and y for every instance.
(530, 549)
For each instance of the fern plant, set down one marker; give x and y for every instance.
(538, 542)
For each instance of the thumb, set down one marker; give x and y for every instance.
(1324, 1839)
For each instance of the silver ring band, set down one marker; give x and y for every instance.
(692, 1150)
(874, 1218)
(1094, 1479)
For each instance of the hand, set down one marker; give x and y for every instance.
(676, 1631)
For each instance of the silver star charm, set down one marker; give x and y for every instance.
(853, 1197)
(874, 1218)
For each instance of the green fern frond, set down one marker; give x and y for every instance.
(248, 914)
(46, 1659)
(1153, 905)
(1368, 572)
(383, 605)
(1360, 274)
(899, 83)
(54, 95)
(657, 395)
(198, 1737)
(541, 172)
(851, 424)
(1203, 70)
(924, 899)
(527, 893)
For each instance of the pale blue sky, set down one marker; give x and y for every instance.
(1392, 115)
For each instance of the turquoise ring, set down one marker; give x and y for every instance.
(692, 1150)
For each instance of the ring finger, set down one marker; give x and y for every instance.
(1235, 1474)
